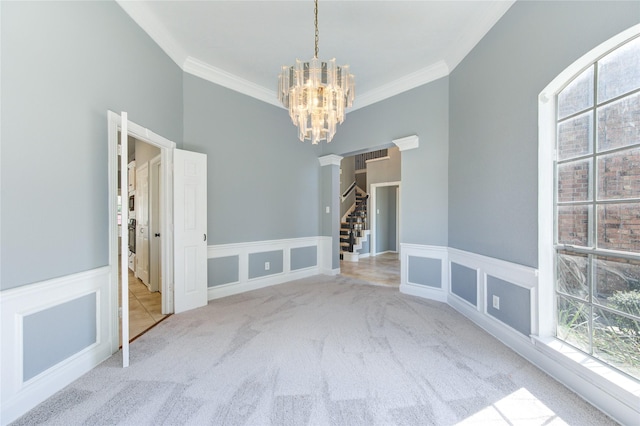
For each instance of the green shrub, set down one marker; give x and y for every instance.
(628, 302)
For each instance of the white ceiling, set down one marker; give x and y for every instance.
(391, 46)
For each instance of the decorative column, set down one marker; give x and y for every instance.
(330, 214)
(407, 197)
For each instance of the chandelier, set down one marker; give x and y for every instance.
(316, 93)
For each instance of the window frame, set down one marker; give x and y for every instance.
(547, 136)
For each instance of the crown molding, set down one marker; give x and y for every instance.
(330, 160)
(408, 142)
(403, 84)
(146, 20)
(230, 81)
(139, 12)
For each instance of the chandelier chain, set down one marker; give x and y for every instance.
(316, 93)
(315, 11)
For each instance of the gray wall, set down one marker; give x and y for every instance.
(262, 182)
(386, 219)
(423, 111)
(382, 219)
(493, 183)
(64, 64)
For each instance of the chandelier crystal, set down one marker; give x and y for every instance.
(316, 93)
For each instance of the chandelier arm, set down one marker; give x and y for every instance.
(315, 11)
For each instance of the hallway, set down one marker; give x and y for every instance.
(383, 269)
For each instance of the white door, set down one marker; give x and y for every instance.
(190, 229)
(142, 222)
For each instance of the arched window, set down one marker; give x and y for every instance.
(590, 205)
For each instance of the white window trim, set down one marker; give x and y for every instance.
(617, 383)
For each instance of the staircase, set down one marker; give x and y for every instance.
(353, 228)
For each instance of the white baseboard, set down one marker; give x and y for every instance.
(330, 271)
(243, 250)
(426, 292)
(230, 289)
(615, 394)
(18, 395)
(616, 402)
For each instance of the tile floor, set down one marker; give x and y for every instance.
(145, 307)
(381, 269)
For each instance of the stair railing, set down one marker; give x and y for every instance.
(356, 227)
(349, 190)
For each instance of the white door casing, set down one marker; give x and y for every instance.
(155, 182)
(124, 267)
(190, 230)
(115, 124)
(142, 222)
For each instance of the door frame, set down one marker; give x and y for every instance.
(114, 124)
(155, 184)
(372, 222)
(139, 201)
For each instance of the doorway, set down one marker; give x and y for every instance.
(385, 218)
(118, 218)
(144, 272)
(370, 215)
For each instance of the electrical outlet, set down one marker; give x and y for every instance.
(496, 302)
(267, 266)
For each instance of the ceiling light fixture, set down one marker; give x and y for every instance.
(316, 94)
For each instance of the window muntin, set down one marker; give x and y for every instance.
(575, 136)
(597, 210)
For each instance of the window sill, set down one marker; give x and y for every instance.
(616, 384)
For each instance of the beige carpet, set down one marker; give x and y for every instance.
(318, 351)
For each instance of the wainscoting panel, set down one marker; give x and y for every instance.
(223, 270)
(504, 280)
(512, 304)
(464, 283)
(289, 259)
(424, 271)
(304, 257)
(52, 333)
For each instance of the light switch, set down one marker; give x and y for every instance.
(327, 209)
